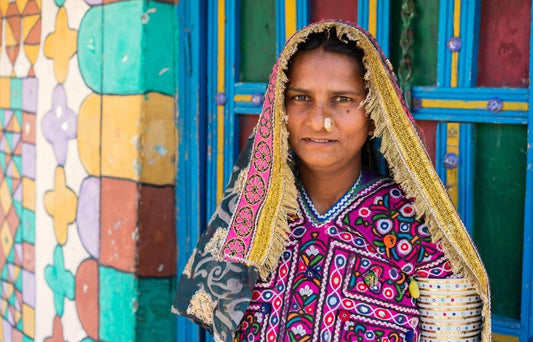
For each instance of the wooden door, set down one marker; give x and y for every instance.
(470, 71)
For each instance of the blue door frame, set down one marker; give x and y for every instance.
(209, 98)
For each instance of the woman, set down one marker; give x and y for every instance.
(336, 246)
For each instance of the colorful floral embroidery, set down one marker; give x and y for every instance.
(346, 278)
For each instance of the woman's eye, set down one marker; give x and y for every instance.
(300, 98)
(341, 99)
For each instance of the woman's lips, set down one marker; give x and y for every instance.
(318, 141)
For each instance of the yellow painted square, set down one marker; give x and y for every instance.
(5, 92)
(159, 138)
(6, 239)
(28, 193)
(28, 320)
(6, 199)
(121, 129)
(89, 125)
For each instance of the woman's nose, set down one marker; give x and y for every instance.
(319, 113)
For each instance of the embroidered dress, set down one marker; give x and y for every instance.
(247, 237)
(344, 275)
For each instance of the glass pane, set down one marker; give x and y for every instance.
(258, 39)
(499, 191)
(503, 59)
(425, 27)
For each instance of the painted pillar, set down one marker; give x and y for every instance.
(87, 170)
(127, 144)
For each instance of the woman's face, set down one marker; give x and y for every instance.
(326, 84)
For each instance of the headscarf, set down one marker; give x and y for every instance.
(261, 193)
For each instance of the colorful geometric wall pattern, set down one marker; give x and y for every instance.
(117, 145)
(21, 21)
(126, 142)
(17, 208)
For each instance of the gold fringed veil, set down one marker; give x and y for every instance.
(261, 242)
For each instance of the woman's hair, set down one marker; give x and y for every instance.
(328, 41)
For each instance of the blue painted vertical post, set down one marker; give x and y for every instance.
(280, 25)
(211, 134)
(231, 75)
(383, 25)
(467, 76)
(191, 111)
(302, 13)
(527, 271)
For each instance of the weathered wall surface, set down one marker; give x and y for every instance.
(87, 170)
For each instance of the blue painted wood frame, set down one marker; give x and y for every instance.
(195, 98)
(523, 328)
(383, 39)
(527, 298)
(190, 187)
(212, 133)
(382, 21)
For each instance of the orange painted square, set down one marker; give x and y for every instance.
(28, 128)
(28, 256)
(118, 238)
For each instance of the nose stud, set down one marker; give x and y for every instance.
(328, 124)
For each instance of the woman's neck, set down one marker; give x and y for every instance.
(326, 188)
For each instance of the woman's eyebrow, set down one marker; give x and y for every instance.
(346, 92)
(299, 90)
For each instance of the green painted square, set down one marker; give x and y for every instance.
(9, 183)
(17, 159)
(3, 161)
(155, 321)
(12, 299)
(11, 256)
(9, 140)
(5, 274)
(18, 282)
(18, 207)
(18, 236)
(118, 300)
(16, 93)
(27, 339)
(28, 226)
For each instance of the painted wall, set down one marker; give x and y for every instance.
(87, 170)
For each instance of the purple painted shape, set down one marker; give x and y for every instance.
(88, 215)
(29, 89)
(6, 328)
(18, 304)
(59, 125)
(28, 288)
(28, 160)
(94, 2)
(3, 143)
(18, 248)
(9, 170)
(11, 272)
(16, 138)
(10, 318)
(17, 195)
(8, 114)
